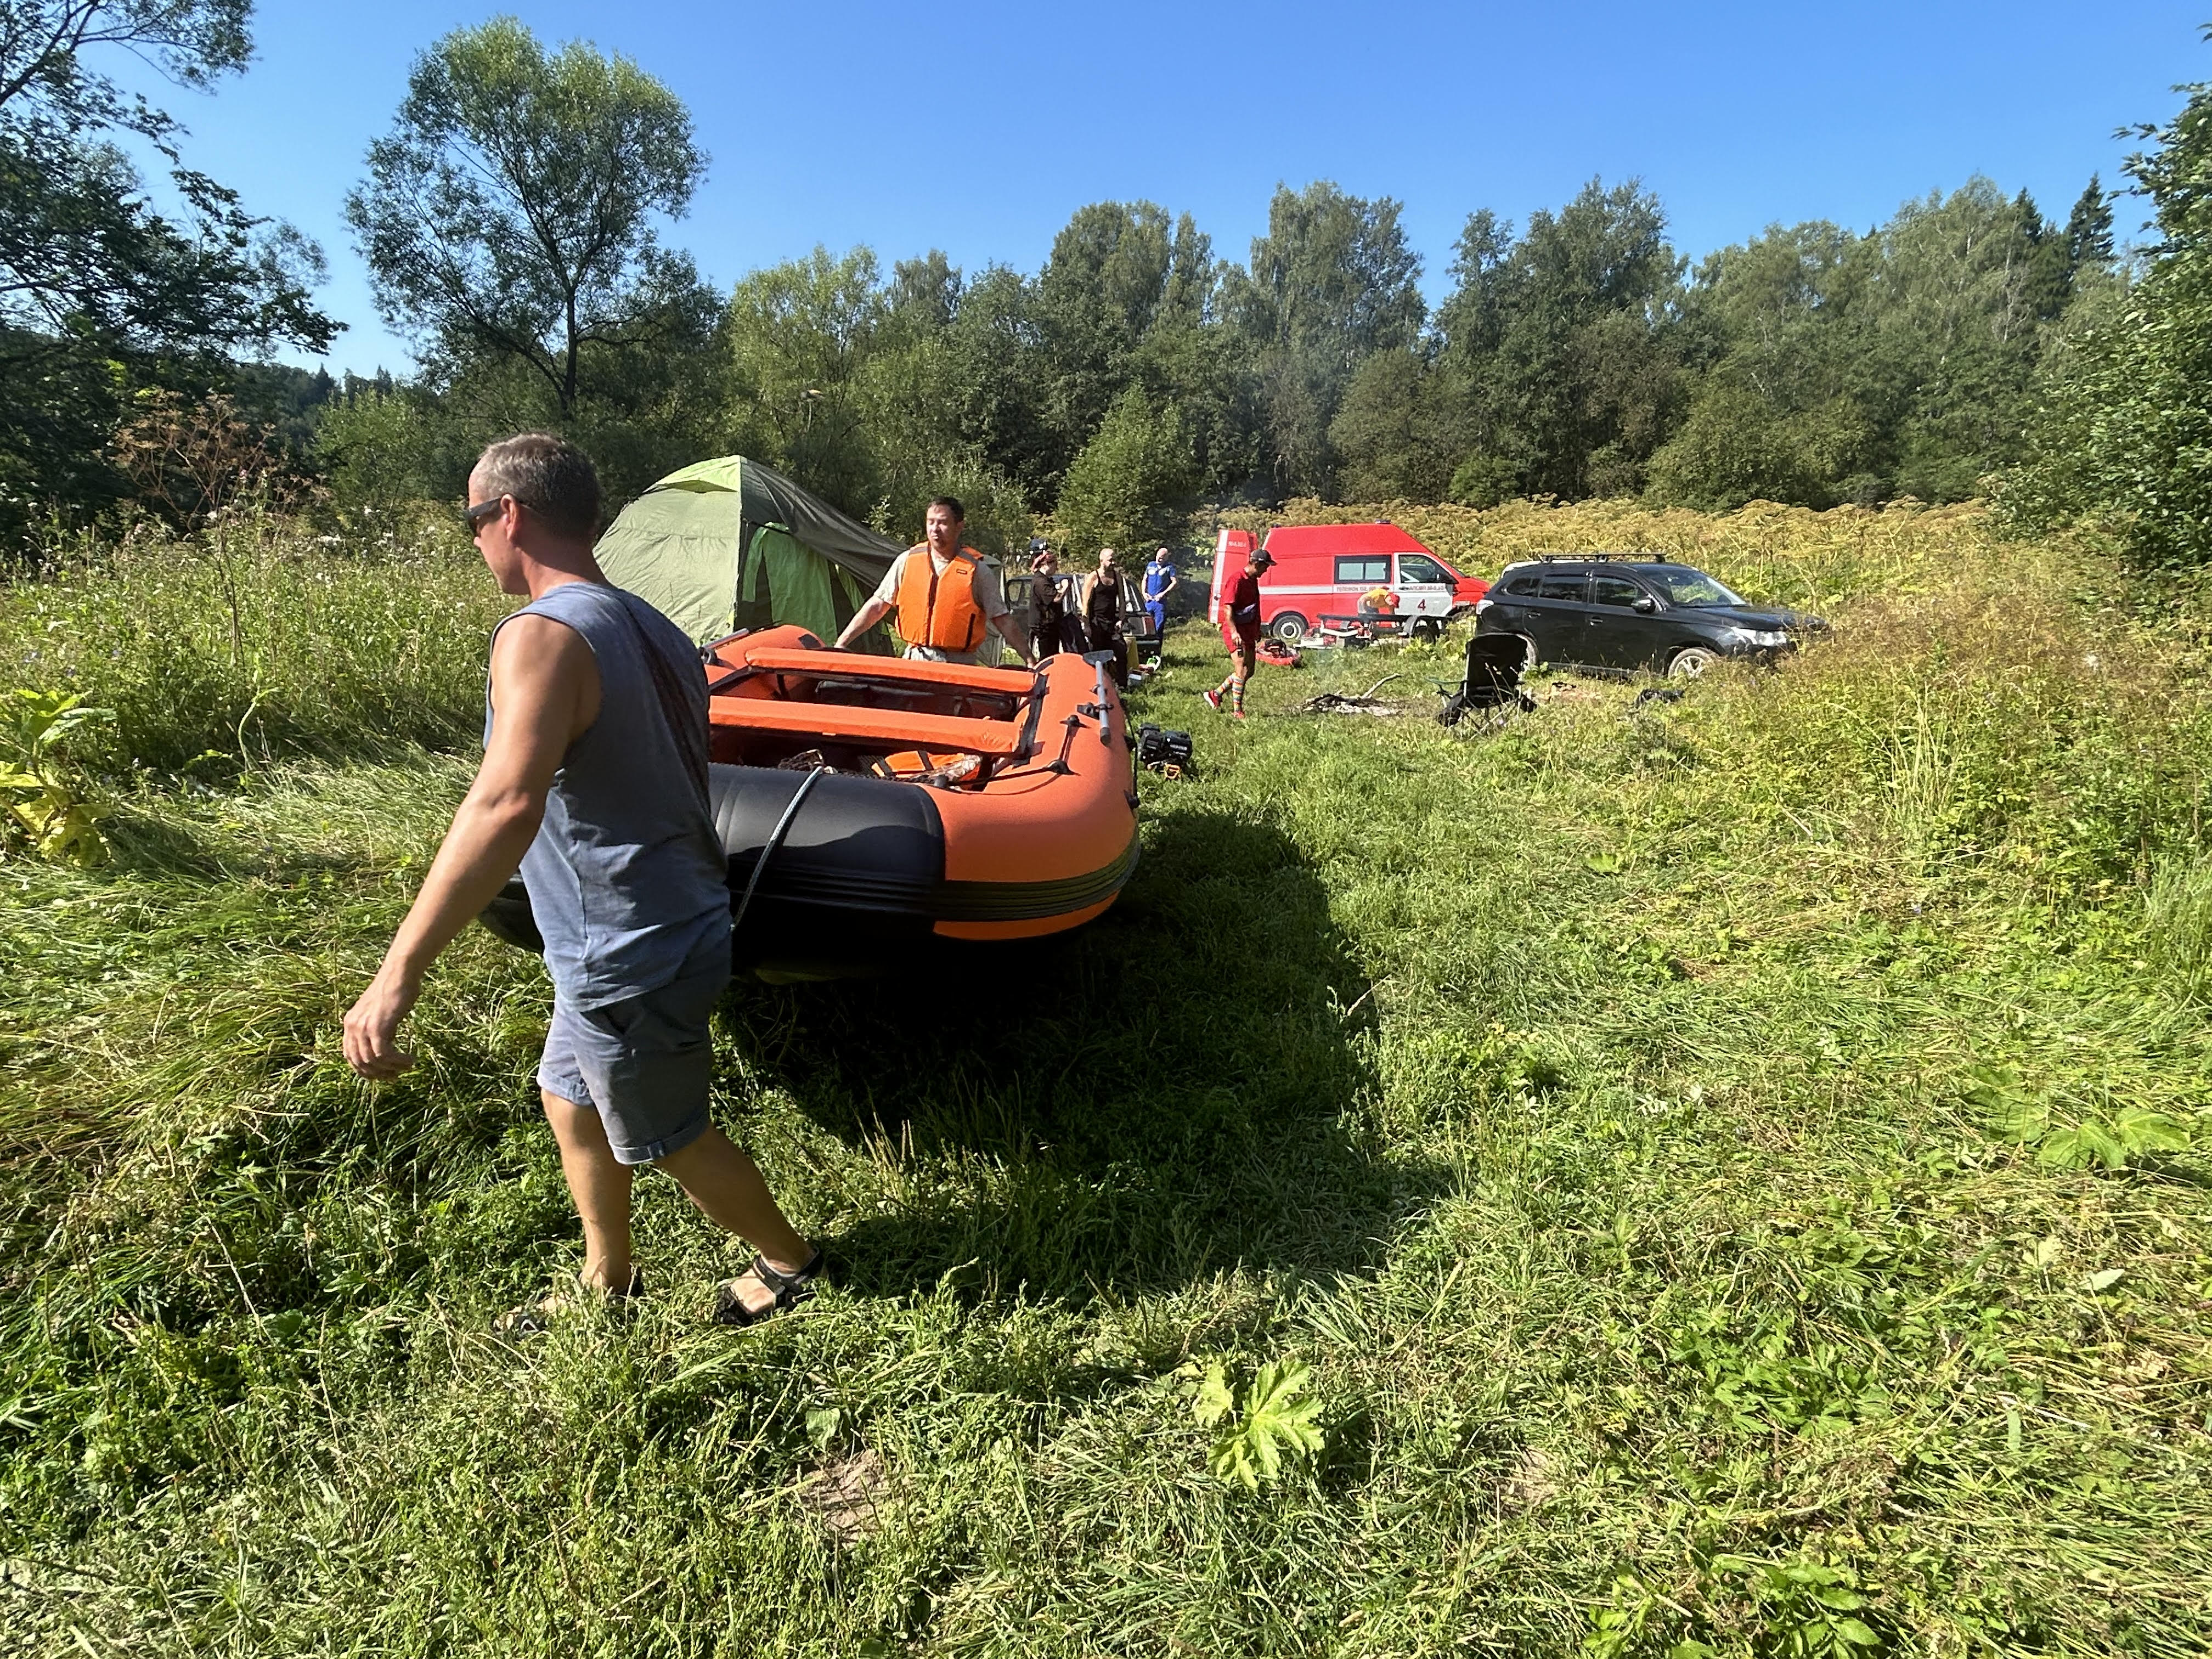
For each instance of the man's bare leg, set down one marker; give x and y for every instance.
(600, 1187)
(722, 1181)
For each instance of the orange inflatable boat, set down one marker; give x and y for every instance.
(870, 803)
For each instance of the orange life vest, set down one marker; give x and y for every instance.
(940, 610)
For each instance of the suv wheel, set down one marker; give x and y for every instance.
(1691, 661)
(1289, 628)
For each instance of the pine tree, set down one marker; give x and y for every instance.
(2089, 227)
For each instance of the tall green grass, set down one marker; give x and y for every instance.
(360, 644)
(1621, 1110)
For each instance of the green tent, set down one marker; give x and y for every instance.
(732, 543)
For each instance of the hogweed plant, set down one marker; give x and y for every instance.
(1272, 1420)
(48, 796)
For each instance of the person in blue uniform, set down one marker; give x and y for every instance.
(1159, 582)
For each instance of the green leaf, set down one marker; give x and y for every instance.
(2103, 1279)
(1212, 1401)
(1858, 1635)
(1276, 1418)
(1279, 1408)
(2067, 1149)
(2140, 1130)
(2009, 1110)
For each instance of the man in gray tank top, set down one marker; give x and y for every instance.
(594, 782)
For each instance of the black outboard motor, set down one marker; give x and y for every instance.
(1495, 664)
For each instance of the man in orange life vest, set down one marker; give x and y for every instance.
(945, 596)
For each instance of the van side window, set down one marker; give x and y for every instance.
(1363, 569)
(1412, 567)
(1565, 586)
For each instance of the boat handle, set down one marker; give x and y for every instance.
(1098, 659)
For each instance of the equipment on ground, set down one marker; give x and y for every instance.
(1161, 751)
(1495, 664)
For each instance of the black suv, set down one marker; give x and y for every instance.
(1634, 610)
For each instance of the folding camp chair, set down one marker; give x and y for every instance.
(1495, 664)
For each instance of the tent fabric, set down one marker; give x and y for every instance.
(768, 497)
(698, 545)
(798, 582)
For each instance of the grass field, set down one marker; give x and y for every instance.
(1731, 1168)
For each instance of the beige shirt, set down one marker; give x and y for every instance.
(990, 598)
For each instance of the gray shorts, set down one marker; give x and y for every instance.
(643, 1063)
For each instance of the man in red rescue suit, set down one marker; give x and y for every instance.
(1241, 630)
(946, 596)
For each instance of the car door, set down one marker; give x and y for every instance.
(1551, 616)
(1422, 587)
(1620, 626)
(1505, 608)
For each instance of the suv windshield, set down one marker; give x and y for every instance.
(1685, 587)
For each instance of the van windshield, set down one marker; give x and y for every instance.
(1692, 589)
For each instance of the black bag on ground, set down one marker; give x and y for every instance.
(1157, 748)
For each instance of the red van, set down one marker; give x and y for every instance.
(1323, 569)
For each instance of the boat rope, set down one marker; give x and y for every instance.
(775, 841)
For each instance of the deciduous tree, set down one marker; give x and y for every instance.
(1333, 280)
(1567, 345)
(95, 285)
(511, 211)
(2123, 439)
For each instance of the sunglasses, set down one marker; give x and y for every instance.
(474, 516)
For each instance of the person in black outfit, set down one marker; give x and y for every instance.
(1101, 615)
(1052, 607)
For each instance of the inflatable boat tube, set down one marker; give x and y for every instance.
(868, 804)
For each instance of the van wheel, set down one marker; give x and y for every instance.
(1289, 628)
(1691, 661)
(1427, 631)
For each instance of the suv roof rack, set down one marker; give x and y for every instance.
(1601, 558)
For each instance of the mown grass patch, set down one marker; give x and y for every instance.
(1619, 1112)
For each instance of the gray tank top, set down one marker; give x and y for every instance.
(627, 879)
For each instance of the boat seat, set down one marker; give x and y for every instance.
(837, 722)
(890, 671)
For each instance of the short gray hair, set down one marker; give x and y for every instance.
(550, 475)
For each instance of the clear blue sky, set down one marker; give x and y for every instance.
(980, 127)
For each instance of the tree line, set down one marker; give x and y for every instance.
(512, 221)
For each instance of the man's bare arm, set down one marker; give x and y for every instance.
(545, 694)
(863, 619)
(1012, 634)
